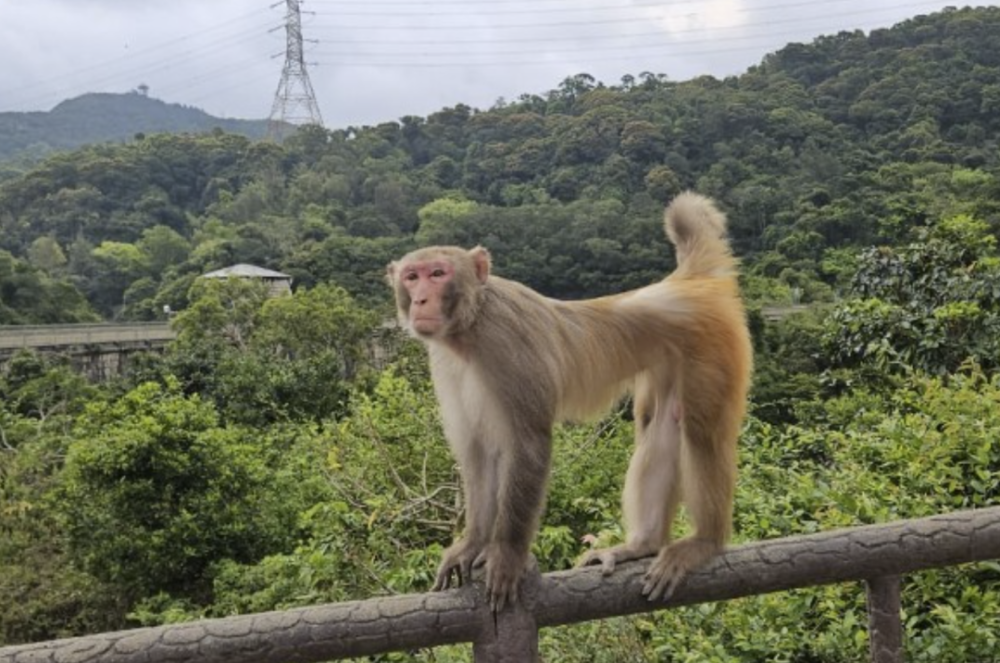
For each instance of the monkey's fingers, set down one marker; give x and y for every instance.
(497, 602)
(660, 586)
(606, 558)
(501, 592)
(674, 563)
(480, 560)
(501, 582)
(464, 570)
(443, 579)
(663, 577)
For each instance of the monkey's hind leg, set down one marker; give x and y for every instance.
(709, 470)
(652, 486)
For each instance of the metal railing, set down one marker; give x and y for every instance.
(877, 555)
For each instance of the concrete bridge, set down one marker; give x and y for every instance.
(100, 350)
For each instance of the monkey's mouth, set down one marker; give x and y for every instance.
(426, 324)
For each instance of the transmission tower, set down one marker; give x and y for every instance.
(294, 101)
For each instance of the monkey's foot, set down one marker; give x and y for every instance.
(457, 561)
(505, 566)
(673, 563)
(608, 558)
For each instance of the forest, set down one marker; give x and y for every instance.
(269, 458)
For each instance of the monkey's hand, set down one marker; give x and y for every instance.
(505, 566)
(673, 563)
(457, 560)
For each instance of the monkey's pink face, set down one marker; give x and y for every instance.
(426, 283)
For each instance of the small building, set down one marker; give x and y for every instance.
(277, 283)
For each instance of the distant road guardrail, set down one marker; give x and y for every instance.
(15, 337)
(775, 313)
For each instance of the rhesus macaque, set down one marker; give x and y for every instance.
(507, 363)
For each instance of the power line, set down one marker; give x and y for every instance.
(414, 8)
(592, 39)
(465, 58)
(138, 53)
(437, 26)
(130, 67)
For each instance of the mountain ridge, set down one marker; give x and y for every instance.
(99, 117)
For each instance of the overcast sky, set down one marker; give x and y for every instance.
(371, 61)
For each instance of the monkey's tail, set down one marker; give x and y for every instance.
(698, 230)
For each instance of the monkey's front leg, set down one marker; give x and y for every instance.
(479, 485)
(523, 472)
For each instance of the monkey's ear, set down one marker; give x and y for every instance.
(481, 260)
(390, 273)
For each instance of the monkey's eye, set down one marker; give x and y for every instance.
(437, 273)
(410, 276)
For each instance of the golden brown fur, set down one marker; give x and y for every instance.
(507, 363)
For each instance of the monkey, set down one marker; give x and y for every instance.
(507, 363)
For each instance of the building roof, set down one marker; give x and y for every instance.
(246, 271)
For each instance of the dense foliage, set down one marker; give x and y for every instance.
(287, 451)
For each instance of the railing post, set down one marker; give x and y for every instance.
(511, 636)
(885, 628)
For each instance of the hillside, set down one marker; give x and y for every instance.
(821, 150)
(98, 118)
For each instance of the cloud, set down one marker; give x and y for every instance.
(683, 20)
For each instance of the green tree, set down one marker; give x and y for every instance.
(444, 221)
(46, 254)
(315, 322)
(43, 388)
(931, 305)
(222, 312)
(119, 264)
(155, 492)
(163, 247)
(264, 360)
(28, 296)
(643, 142)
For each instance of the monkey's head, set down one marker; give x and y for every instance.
(438, 289)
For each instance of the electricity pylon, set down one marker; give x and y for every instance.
(294, 101)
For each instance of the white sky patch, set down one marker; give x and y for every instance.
(687, 18)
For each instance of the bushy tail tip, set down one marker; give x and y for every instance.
(697, 229)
